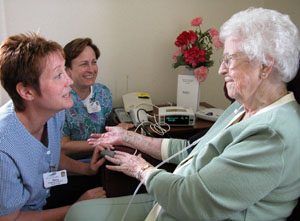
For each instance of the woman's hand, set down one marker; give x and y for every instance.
(113, 136)
(97, 192)
(125, 126)
(95, 162)
(127, 163)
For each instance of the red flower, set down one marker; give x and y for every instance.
(213, 32)
(175, 54)
(201, 73)
(194, 56)
(186, 38)
(217, 42)
(196, 21)
(195, 49)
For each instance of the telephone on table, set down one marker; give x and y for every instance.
(210, 114)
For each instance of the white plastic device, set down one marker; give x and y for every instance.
(176, 116)
(211, 114)
(138, 116)
(137, 100)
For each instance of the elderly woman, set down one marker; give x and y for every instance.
(244, 167)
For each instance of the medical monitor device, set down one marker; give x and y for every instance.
(176, 116)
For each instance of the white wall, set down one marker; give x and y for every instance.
(3, 34)
(136, 37)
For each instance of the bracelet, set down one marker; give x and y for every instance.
(147, 166)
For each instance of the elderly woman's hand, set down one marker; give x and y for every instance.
(127, 163)
(113, 136)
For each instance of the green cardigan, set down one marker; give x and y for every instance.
(247, 171)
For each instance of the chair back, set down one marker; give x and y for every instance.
(295, 216)
(294, 86)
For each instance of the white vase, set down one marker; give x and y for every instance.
(189, 72)
(188, 90)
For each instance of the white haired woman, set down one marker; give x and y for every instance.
(244, 167)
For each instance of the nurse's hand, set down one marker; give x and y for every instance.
(95, 193)
(125, 126)
(96, 162)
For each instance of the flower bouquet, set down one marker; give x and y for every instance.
(195, 49)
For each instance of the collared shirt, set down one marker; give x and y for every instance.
(23, 160)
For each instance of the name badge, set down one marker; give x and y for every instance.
(55, 178)
(93, 107)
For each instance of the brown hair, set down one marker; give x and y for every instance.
(74, 48)
(23, 59)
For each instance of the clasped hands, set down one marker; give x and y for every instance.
(124, 162)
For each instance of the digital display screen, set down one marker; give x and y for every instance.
(173, 119)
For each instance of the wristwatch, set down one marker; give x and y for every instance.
(145, 167)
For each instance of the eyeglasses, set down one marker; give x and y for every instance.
(228, 58)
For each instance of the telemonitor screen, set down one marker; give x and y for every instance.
(173, 119)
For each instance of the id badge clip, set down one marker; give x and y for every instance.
(93, 107)
(55, 178)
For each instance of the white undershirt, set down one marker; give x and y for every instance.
(86, 101)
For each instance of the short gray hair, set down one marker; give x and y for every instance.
(263, 33)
